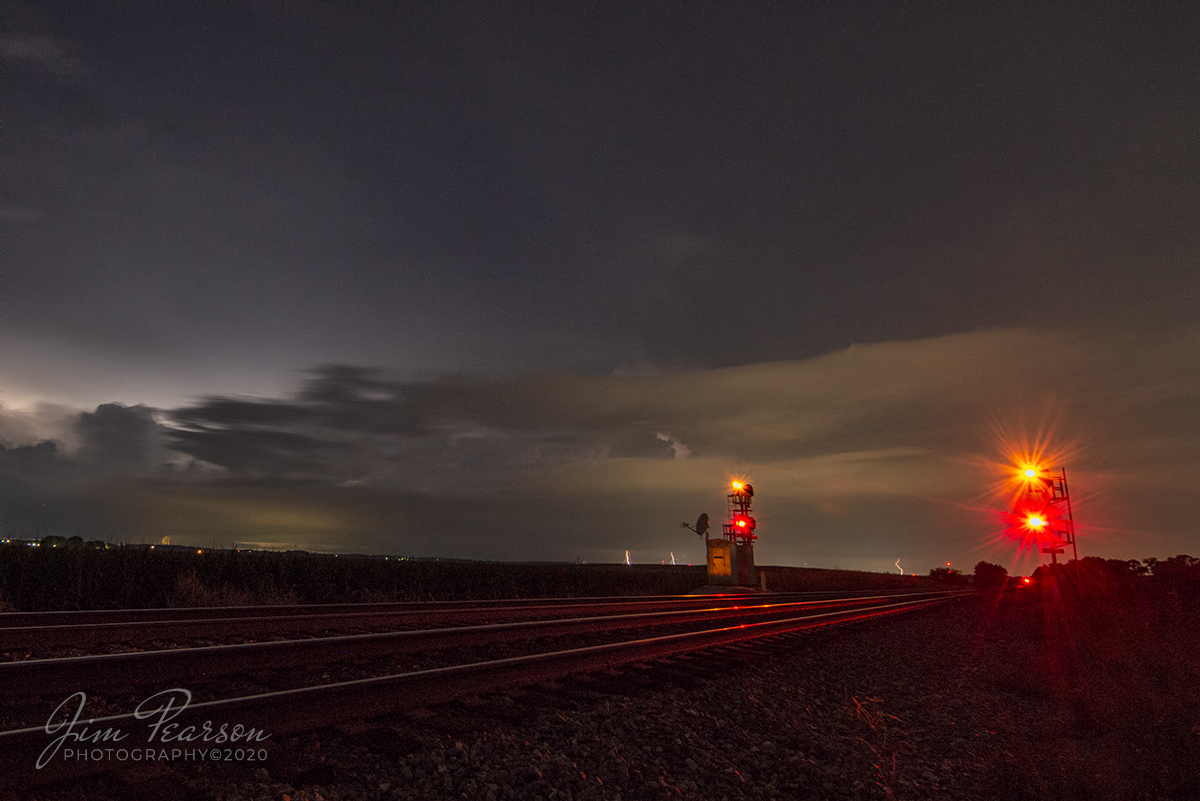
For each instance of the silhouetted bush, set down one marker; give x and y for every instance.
(947, 575)
(989, 575)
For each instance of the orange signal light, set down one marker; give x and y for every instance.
(1031, 473)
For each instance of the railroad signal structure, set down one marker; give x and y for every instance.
(741, 525)
(1043, 506)
(731, 558)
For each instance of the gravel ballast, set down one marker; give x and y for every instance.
(921, 706)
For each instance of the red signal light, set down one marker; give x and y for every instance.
(742, 523)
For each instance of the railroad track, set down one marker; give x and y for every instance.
(564, 638)
(42, 630)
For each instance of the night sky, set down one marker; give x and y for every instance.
(535, 281)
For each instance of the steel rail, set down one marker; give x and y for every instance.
(31, 678)
(100, 633)
(290, 711)
(61, 617)
(15, 619)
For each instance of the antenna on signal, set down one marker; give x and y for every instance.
(701, 525)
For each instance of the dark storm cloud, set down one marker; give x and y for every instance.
(67, 486)
(29, 460)
(116, 438)
(355, 424)
(927, 393)
(112, 439)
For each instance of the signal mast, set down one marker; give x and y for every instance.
(741, 526)
(1043, 505)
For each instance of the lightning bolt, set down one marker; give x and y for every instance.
(899, 568)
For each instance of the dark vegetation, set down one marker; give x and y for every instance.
(948, 575)
(989, 575)
(985, 575)
(1106, 654)
(815, 579)
(63, 578)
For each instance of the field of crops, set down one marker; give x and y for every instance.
(44, 579)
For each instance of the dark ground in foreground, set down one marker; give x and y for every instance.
(1032, 697)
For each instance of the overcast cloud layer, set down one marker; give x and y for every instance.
(210, 198)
